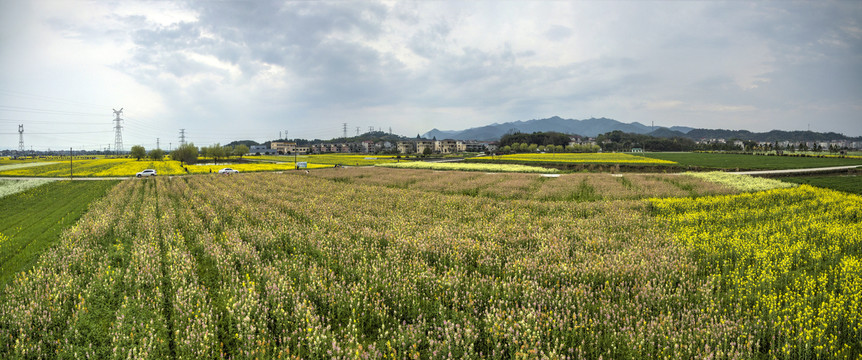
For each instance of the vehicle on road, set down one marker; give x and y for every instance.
(228, 171)
(147, 172)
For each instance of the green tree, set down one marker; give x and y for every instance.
(205, 151)
(532, 148)
(187, 154)
(156, 154)
(138, 152)
(524, 147)
(240, 150)
(216, 152)
(427, 151)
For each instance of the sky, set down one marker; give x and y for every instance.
(255, 70)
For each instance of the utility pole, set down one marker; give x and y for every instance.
(118, 131)
(21, 138)
(182, 137)
(70, 163)
(157, 143)
(279, 135)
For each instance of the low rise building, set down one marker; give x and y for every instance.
(406, 147)
(262, 150)
(283, 147)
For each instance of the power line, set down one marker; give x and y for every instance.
(45, 111)
(49, 98)
(61, 133)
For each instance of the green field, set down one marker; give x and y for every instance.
(32, 220)
(577, 158)
(750, 162)
(847, 183)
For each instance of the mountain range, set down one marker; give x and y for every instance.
(588, 127)
(592, 127)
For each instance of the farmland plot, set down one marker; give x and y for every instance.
(294, 266)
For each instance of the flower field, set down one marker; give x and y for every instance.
(741, 182)
(9, 187)
(788, 261)
(566, 187)
(129, 167)
(334, 266)
(602, 158)
(459, 166)
(5, 166)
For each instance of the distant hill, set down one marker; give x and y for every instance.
(593, 127)
(774, 135)
(667, 133)
(588, 127)
(248, 143)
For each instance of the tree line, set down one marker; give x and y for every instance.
(189, 153)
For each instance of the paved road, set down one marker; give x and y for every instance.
(797, 171)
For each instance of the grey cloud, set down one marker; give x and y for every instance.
(558, 33)
(667, 52)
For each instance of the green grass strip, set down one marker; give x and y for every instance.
(32, 221)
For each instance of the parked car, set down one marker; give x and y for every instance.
(147, 172)
(228, 171)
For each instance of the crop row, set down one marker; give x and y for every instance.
(565, 187)
(295, 266)
(468, 167)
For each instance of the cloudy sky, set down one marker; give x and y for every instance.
(229, 70)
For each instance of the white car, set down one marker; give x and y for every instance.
(145, 173)
(228, 171)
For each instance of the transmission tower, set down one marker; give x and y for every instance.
(182, 137)
(157, 143)
(390, 130)
(118, 131)
(357, 131)
(344, 126)
(370, 129)
(21, 138)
